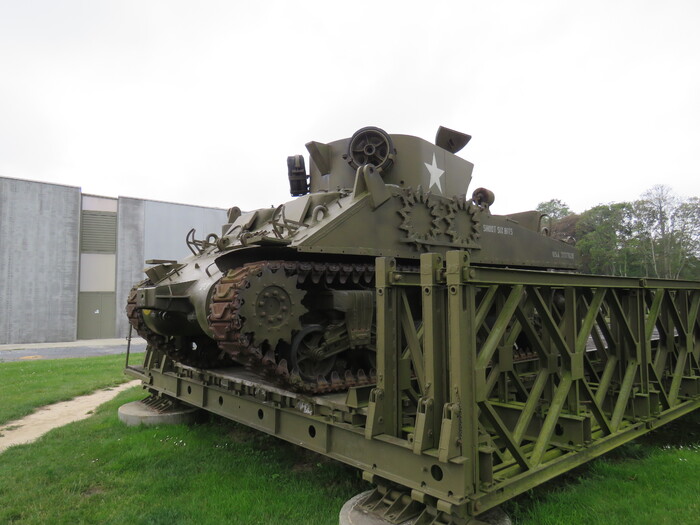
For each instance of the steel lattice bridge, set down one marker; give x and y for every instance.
(490, 381)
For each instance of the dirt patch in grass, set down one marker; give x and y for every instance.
(27, 385)
(93, 491)
(35, 425)
(148, 476)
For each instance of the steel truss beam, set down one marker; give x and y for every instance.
(490, 381)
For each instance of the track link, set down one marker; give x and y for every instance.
(232, 339)
(230, 333)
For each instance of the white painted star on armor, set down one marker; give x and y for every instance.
(435, 174)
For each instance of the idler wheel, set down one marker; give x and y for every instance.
(307, 354)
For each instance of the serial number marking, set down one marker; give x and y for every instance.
(563, 255)
(502, 230)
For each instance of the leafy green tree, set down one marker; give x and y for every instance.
(655, 236)
(604, 235)
(688, 221)
(667, 233)
(555, 208)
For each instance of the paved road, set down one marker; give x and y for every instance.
(95, 347)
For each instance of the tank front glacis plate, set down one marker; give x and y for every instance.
(184, 292)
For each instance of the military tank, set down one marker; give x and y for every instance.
(288, 291)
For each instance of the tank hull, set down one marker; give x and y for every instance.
(287, 290)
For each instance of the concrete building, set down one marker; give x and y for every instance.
(68, 260)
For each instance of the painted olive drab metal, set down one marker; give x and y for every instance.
(456, 423)
(235, 335)
(238, 340)
(497, 368)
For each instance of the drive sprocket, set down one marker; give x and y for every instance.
(271, 306)
(247, 285)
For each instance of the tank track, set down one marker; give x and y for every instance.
(228, 325)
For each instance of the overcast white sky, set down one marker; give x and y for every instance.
(201, 102)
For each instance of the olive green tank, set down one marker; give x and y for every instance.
(288, 291)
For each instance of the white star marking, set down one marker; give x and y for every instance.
(435, 174)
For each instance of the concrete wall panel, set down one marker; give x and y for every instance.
(167, 224)
(130, 256)
(39, 242)
(39, 255)
(154, 230)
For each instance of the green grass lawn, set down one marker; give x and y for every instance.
(100, 471)
(27, 385)
(652, 480)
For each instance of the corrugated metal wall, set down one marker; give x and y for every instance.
(98, 232)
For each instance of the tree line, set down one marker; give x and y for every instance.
(657, 235)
